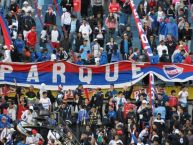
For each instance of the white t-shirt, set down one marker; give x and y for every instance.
(160, 48)
(45, 102)
(113, 142)
(53, 57)
(183, 96)
(33, 140)
(54, 36)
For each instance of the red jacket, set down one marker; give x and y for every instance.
(173, 101)
(114, 7)
(188, 60)
(77, 5)
(31, 38)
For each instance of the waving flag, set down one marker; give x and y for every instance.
(145, 46)
(5, 30)
(152, 91)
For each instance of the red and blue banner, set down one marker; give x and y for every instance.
(5, 30)
(70, 75)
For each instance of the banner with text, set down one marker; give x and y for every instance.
(70, 75)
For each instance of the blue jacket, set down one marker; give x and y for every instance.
(172, 28)
(84, 50)
(19, 44)
(80, 62)
(115, 56)
(46, 56)
(4, 125)
(103, 58)
(154, 23)
(154, 59)
(178, 58)
(81, 114)
(20, 143)
(112, 115)
(162, 28)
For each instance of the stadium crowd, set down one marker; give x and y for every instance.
(99, 32)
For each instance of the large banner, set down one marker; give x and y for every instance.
(70, 75)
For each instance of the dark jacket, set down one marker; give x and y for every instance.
(122, 50)
(27, 23)
(50, 18)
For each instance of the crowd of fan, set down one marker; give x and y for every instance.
(97, 32)
(110, 118)
(88, 35)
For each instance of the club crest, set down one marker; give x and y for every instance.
(172, 71)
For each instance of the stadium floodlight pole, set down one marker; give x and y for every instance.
(145, 45)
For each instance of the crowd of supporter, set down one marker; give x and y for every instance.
(113, 117)
(97, 32)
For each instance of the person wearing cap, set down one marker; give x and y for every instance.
(50, 17)
(29, 115)
(7, 54)
(34, 138)
(26, 7)
(4, 123)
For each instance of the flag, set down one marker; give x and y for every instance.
(5, 30)
(152, 91)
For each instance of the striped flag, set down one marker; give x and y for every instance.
(152, 90)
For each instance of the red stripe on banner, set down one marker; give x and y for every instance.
(5, 30)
